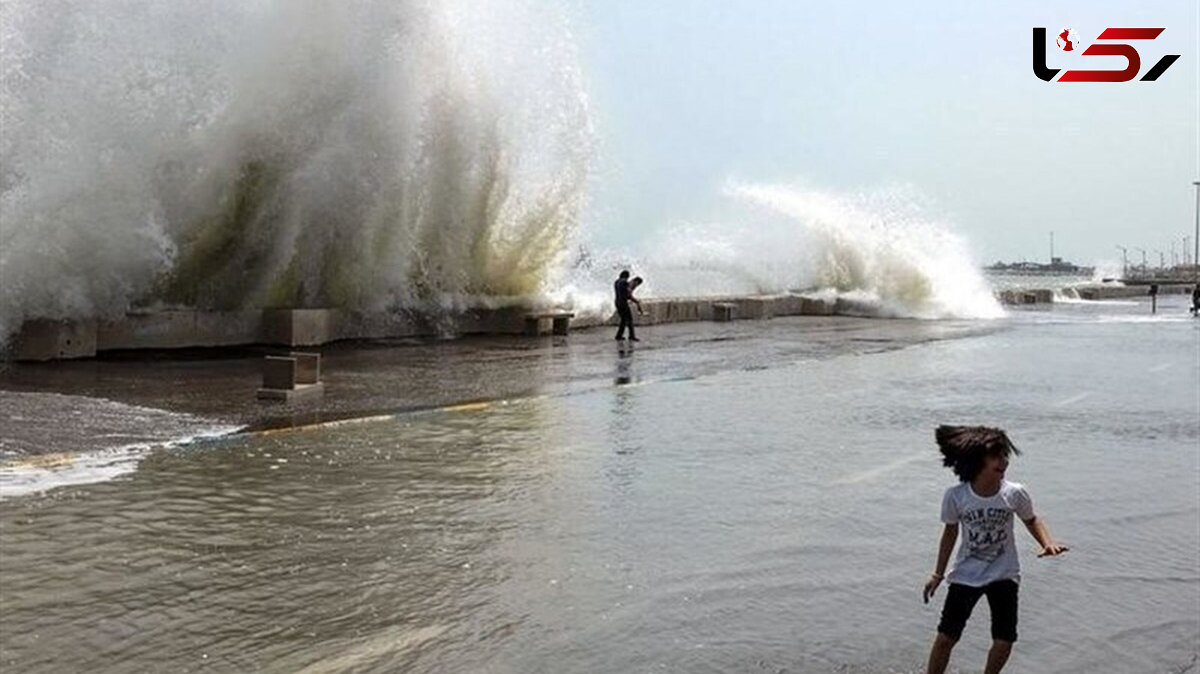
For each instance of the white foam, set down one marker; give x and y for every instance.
(882, 251)
(33, 474)
(232, 153)
(51, 439)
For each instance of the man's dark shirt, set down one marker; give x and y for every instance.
(621, 289)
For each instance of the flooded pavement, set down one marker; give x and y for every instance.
(364, 378)
(767, 504)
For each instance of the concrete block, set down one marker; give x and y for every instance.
(811, 306)
(292, 395)
(308, 367)
(550, 322)
(300, 327)
(753, 307)
(562, 324)
(724, 311)
(690, 310)
(46, 339)
(787, 305)
(279, 372)
(291, 378)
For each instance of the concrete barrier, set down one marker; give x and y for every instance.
(291, 378)
(300, 327)
(1087, 292)
(308, 367)
(548, 323)
(177, 329)
(755, 308)
(46, 339)
(1110, 292)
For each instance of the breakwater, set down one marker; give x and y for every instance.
(51, 340)
(1087, 292)
(44, 339)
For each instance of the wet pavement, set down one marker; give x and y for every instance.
(384, 376)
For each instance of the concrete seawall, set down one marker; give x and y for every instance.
(1089, 292)
(44, 339)
(176, 329)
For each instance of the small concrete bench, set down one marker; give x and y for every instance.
(292, 377)
(724, 311)
(556, 322)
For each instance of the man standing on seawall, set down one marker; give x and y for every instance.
(623, 294)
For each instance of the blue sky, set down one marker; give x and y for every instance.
(854, 96)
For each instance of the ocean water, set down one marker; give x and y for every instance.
(772, 516)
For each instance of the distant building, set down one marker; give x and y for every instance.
(1057, 267)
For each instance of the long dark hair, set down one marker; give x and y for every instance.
(965, 447)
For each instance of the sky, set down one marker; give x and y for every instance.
(939, 97)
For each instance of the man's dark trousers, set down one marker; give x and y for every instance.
(626, 320)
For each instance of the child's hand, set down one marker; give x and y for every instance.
(1053, 550)
(931, 585)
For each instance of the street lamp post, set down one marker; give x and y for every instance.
(1196, 238)
(1124, 261)
(1143, 252)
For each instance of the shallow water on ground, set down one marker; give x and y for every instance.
(774, 519)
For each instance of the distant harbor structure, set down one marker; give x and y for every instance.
(1056, 267)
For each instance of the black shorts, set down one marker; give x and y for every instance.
(961, 599)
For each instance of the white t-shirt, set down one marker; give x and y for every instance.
(987, 551)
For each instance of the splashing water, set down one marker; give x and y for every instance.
(881, 252)
(283, 153)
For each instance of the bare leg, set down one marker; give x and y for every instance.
(997, 656)
(939, 655)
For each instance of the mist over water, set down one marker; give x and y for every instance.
(283, 153)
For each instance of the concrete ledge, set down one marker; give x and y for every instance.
(1092, 292)
(180, 329)
(1107, 292)
(300, 327)
(45, 339)
(547, 323)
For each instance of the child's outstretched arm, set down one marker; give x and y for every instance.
(945, 547)
(1041, 533)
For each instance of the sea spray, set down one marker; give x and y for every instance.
(881, 251)
(283, 153)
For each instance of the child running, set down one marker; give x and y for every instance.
(982, 507)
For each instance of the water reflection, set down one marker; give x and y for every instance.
(624, 368)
